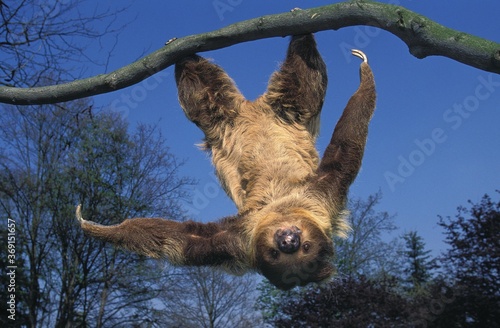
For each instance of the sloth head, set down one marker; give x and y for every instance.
(293, 251)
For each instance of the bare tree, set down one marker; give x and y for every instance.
(28, 161)
(423, 37)
(38, 39)
(365, 251)
(55, 156)
(206, 297)
(51, 160)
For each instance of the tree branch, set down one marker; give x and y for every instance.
(423, 37)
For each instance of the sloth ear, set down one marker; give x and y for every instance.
(206, 93)
(296, 92)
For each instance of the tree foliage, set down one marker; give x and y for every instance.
(419, 264)
(59, 156)
(472, 264)
(348, 302)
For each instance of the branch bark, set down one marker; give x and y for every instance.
(423, 36)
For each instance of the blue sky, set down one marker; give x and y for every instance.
(434, 139)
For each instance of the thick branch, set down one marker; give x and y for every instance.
(423, 37)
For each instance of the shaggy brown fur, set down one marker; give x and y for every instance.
(289, 204)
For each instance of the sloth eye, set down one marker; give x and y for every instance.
(275, 253)
(306, 247)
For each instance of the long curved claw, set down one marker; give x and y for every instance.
(78, 213)
(360, 54)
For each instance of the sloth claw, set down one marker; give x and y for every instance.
(78, 213)
(360, 54)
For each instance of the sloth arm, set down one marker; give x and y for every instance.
(182, 243)
(296, 92)
(342, 158)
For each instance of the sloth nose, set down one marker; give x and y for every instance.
(288, 240)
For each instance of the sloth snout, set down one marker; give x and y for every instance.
(288, 240)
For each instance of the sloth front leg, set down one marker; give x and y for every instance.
(208, 96)
(296, 92)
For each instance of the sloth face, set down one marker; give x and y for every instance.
(293, 252)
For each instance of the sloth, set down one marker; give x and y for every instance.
(290, 204)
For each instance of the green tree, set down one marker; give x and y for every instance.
(419, 261)
(346, 302)
(472, 265)
(269, 300)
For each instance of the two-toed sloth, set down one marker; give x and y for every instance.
(289, 203)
